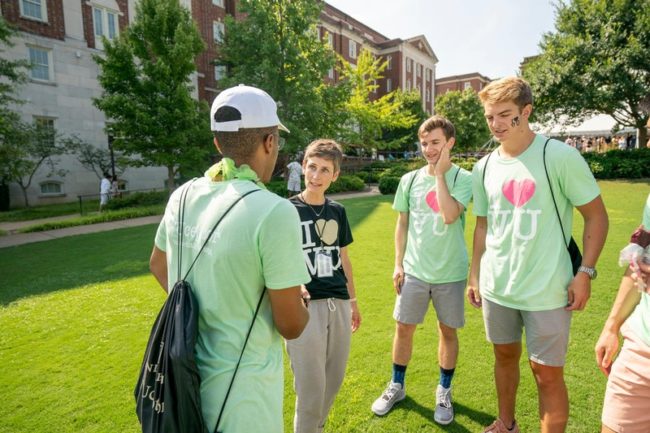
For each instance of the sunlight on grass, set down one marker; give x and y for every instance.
(75, 315)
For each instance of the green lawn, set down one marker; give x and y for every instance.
(75, 314)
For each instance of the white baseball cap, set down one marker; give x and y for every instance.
(244, 107)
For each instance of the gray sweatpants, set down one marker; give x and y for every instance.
(318, 360)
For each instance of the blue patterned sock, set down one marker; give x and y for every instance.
(399, 371)
(446, 376)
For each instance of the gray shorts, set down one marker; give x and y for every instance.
(447, 298)
(547, 332)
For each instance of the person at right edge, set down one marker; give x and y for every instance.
(627, 398)
(256, 246)
(521, 272)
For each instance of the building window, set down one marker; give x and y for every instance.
(45, 126)
(352, 49)
(330, 73)
(34, 9)
(428, 74)
(374, 86)
(41, 64)
(408, 85)
(105, 23)
(428, 95)
(467, 85)
(389, 62)
(330, 40)
(408, 65)
(389, 85)
(419, 70)
(51, 188)
(218, 30)
(219, 72)
(218, 3)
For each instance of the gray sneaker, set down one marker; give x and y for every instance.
(393, 393)
(444, 413)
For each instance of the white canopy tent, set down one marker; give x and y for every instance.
(598, 125)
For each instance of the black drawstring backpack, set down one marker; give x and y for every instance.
(167, 394)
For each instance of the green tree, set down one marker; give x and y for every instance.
(406, 138)
(33, 146)
(147, 95)
(13, 132)
(93, 158)
(277, 48)
(465, 111)
(367, 116)
(597, 60)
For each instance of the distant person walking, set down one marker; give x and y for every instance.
(294, 171)
(104, 191)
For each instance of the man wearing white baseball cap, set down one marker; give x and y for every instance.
(258, 244)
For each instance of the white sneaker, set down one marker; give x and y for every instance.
(444, 413)
(393, 393)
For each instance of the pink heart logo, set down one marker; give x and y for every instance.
(519, 192)
(432, 201)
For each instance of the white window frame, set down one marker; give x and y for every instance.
(352, 48)
(218, 31)
(389, 63)
(467, 85)
(43, 4)
(220, 72)
(389, 85)
(428, 95)
(330, 73)
(408, 65)
(49, 65)
(219, 3)
(330, 39)
(56, 183)
(104, 28)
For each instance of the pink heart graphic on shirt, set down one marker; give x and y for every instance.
(519, 192)
(432, 201)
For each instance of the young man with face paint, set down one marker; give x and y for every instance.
(430, 261)
(521, 273)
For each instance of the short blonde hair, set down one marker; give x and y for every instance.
(327, 149)
(435, 122)
(507, 89)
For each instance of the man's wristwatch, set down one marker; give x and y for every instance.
(589, 271)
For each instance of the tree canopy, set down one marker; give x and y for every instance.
(277, 48)
(367, 115)
(147, 94)
(465, 111)
(596, 60)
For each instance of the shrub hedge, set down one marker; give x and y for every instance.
(138, 199)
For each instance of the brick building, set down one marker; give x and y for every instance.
(59, 38)
(459, 83)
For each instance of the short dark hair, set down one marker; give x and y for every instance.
(240, 145)
(435, 122)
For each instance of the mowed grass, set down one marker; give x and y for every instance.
(75, 314)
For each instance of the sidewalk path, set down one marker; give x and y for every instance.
(13, 239)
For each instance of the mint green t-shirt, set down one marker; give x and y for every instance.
(435, 251)
(526, 264)
(640, 318)
(257, 245)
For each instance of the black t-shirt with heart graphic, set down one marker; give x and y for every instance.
(324, 227)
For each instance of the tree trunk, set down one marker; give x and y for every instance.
(170, 179)
(643, 137)
(24, 188)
